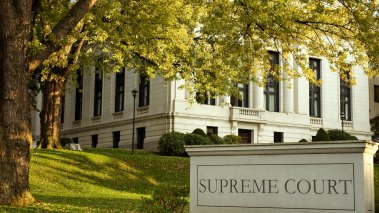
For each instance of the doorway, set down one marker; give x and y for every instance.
(245, 135)
(141, 137)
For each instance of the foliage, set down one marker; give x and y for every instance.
(172, 144)
(232, 139)
(211, 44)
(303, 140)
(245, 30)
(200, 132)
(215, 44)
(167, 199)
(216, 139)
(374, 123)
(321, 135)
(99, 180)
(339, 135)
(195, 139)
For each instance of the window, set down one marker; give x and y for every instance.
(119, 91)
(98, 94)
(205, 98)
(212, 130)
(243, 96)
(345, 97)
(314, 90)
(245, 135)
(144, 91)
(278, 137)
(79, 96)
(116, 139)
(141, 134)
(62, 108)
(94, 140)
(271, 89)
(376, 93)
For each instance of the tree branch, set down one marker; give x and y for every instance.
(62, 29)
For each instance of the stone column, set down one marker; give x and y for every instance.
(258, 97)
(288, 96)
(250, 94)
(288, 92)
(180, 92)
(225, 100)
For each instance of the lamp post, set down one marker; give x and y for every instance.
(134, 93)
(343, 116)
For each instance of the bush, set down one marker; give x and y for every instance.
(172, 144)
(195, 139)
(65, 141)
(166, 199)
(303, 140)
(216, 139)
(232, 139)
(321, 135)
(200, 132)
(339, 135)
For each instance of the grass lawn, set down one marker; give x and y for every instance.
(98, 180)
(103, 180)
(376, 171)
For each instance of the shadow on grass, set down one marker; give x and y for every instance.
(78, 204)
(109, 168)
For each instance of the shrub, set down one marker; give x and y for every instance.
(172, 144)
(200, 132)
(195, 139)
(232, 139)
(321, 135)
(216, 139)
(303, 140)
(339, 135)
(65, 141)
(166, 199)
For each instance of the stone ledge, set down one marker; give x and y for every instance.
(368, 147)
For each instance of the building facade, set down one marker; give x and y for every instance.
(98, 108)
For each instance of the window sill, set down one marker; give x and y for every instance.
(96, 119)
(76, 123)
(142, 110)
(118, 114)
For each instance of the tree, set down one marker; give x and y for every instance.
(229, 46)
(15, 133)
(238, 35)
(146, 36)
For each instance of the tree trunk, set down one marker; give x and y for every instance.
(15, 108)
(51, 114)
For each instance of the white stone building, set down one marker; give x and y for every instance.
(102, 114)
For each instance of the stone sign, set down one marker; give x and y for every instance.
(289, 177)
